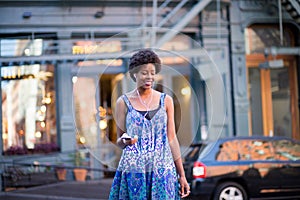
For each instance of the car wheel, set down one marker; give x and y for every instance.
(230, 190)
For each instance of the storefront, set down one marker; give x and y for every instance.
(43, 104)
(265, 68)
(272, 82)
(29, 111)
(97, 85)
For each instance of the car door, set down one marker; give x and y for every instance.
(288, 155)
(263, 158)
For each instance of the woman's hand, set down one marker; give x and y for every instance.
(184, 187)
(127, 140)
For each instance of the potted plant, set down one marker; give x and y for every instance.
(61, 172)
(79, 173)
(15, 150)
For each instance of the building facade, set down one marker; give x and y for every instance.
(231, 67)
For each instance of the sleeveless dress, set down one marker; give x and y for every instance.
(146, 169)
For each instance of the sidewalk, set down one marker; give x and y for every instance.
(68, 190)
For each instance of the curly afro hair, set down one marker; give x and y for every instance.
(142, 57)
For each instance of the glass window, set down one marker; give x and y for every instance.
(194, 151)
(85, 111)
(228, 151)
(280, 88)
(255, 101)
(261, 150)
(246, 150)
(28, 109)
(91, 45)
(21, 47)
(287, 150)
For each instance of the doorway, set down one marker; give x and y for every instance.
(94, 101)
(272, 88)
(272, 101)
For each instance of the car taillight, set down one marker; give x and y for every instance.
(199, 170)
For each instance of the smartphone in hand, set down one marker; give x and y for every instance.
(125, 136)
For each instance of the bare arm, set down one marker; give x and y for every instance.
(120, 120)
(120, 116)
(185, 188)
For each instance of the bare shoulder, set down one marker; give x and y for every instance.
(120, 104)
(169, 99)
(131, 94)
(120, 100)
(157, 94)
(168, 102)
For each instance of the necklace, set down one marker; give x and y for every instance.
(143, 102)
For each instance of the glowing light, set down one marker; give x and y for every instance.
(5, 136)
(103, 124)
(47, 100)
(43, 124)
(43, 108)
(27, 52)
(186, 91)
(74, 79)
(38, 134)
(102, 111)
(82, 140)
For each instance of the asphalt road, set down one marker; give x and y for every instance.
(74, 190)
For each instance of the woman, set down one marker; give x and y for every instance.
(150, 165)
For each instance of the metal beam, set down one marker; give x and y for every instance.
(27, 60)
(296, 5)
(183, 22)
(171, 14)
(282, 51)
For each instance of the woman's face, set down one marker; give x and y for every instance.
(145, 76)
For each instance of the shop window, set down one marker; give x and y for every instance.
(85, 43)
(28, 109)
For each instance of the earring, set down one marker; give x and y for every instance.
(134, 75)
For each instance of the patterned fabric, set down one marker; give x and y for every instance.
(146, 169)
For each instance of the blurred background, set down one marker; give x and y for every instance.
(230, 65)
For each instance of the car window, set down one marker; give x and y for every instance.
(228, 151)
(205, 151)
(261, 150)
(287, 150)
(194, 152)
(245, 150)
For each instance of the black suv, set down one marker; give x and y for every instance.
(244, 168)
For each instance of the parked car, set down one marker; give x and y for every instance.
(244, 168)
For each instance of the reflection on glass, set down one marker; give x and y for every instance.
(84, 90)
(255, 101)
(281, 102)
(287, 150)
(28, 109)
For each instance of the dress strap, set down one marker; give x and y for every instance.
(162, 99)
(127, 102)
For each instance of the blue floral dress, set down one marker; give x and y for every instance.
(146, 169)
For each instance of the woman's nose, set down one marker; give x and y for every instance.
(150, 76)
